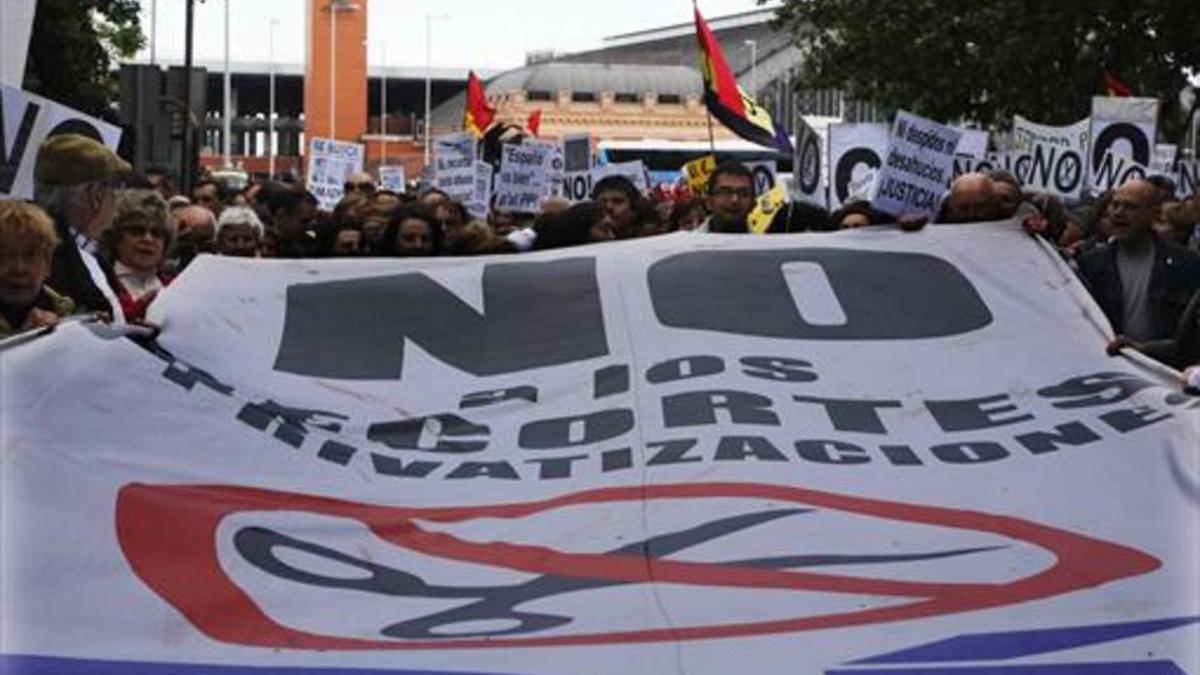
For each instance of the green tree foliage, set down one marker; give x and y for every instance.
(986, 60)
(73, 49)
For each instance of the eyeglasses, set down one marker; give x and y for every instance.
(139, 231)
(726, 192)
(363, 187)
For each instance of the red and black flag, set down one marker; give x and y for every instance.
(728, 103)
(477, 114)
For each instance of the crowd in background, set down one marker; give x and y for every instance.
(98, 238)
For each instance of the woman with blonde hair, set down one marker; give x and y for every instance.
(27, 241)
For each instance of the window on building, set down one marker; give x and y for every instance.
(626, 98)
(670, 99)
(583, 97)
(538, 96)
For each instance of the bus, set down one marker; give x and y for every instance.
(664, 160)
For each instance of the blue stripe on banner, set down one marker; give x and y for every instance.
(1000, 646)
(11, 664)
(1127, 668)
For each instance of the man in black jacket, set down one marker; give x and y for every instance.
(74, 180)
(1141, 282)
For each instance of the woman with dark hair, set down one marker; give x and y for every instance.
(631, 214)
(582, 223)
(687, 214)
(412, 231)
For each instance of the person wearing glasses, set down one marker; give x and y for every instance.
(142, 233)
(730, 199)
(360, 182)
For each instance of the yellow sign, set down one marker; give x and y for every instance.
(697, 172)
(769, 203)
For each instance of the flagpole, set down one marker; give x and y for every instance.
(712, 143)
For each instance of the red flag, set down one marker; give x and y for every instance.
(477, 114)
(1113, 86)
(728, 103)
(534, 123)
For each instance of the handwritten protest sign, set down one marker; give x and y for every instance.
(919, 160)
(453, 165)
(330, 163)
(525, 176)
(481, 197)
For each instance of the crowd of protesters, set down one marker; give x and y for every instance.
(86, 246)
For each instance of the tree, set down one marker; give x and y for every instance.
(985, 61)
(72, 50)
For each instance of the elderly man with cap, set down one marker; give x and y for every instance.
(74, 181)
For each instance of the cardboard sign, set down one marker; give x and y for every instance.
(1163, 160)
(856, 152)
(577, 167)
(918, 162)
(1124, 126)
(698, 171)
(526, 176)
(808, 185)
(972, 143)
(392, 178)
(330, 164)
(481, 198)
(26, 121)
(454, 165)
(766, 207)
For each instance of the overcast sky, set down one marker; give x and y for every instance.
(476, 34)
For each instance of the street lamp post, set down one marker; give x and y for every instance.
(271, 106)
(228, 114)
(429, 77)
(753, 68)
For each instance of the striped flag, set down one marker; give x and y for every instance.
(728, 103)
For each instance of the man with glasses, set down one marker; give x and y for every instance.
(1141, 282)
(361, 182)
(74, 178)
(730, 199)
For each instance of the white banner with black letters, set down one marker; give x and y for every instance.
(863, 452)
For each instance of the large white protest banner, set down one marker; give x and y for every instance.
(1052, 159)
(25, 121)
(917, 165)
(808, 184)
(841, 454)
(1026, 134)
(856, 152)
(1115, 170)
(454, 165)
(330, 164)
(1124, 126)
(577, 167)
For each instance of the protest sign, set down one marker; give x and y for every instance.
(1124, 126)
(1114, 171)
(918, 163)
(635, 171)
(1163, 159)
(16, 27)
(526, 176)
(698, 171)
(763, 173)
(855, 153)
(972, 143)
(808, 185)
(454, 165)
(1187, 179)
(821, 453)
(766, 207)
(330, 164)
(1027, 134)
(26, 121)
(392, 178)
(577, 167)
(481, 198)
